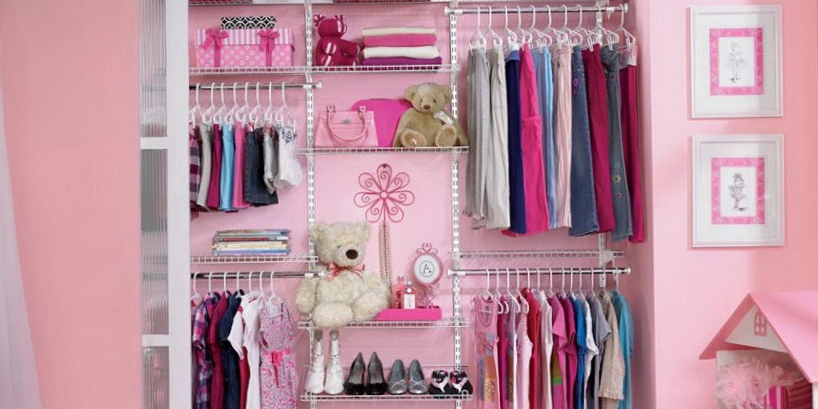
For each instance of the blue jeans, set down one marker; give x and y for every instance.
(619, 181)
(255, 191)
(583, 198)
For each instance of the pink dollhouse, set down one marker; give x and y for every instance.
(780, 327)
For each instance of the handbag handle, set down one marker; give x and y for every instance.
(361, 114)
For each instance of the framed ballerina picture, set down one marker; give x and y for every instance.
(738, 190)
(735, 57)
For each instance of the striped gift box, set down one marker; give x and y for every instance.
(244, 48)
(777, 398)
(800, 395)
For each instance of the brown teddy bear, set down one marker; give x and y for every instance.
(426, 124)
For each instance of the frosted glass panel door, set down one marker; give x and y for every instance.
(164, 210)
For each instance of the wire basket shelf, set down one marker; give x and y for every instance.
(302, 70)
(545, 254)
(249, 259)
(346, 151)
(309, 397)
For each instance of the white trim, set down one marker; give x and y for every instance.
(178, 210)
(155, 341)
(154, 143)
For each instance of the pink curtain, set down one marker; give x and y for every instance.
(18, 372)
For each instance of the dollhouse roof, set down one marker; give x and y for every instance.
(781, 321)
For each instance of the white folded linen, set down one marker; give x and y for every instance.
(407, 52)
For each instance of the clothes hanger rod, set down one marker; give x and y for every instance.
(274, 85)
(544, 271)
(575, 9)
(199, 275)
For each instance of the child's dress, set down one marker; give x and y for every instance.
(278, 376)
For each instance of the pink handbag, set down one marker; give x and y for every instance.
(389, 112)
(346, 129)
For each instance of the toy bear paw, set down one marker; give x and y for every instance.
(447, 136)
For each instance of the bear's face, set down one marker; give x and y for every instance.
(428, 97)
(330, 27)
(341, 243)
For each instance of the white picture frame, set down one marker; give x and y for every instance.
(738, 190)
(735, 61)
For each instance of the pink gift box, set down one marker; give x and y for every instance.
(777, 398)
(410, 314)
(244, 48)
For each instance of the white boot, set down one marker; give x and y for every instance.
(315, 376)
(334, 384)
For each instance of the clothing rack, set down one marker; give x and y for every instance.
(258, 85)
(528, 9)
(561, 271)
(228, 275)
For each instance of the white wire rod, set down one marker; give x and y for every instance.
(442, 323)
(252, 259)
(219, 86)
(542, 271)
(528, 10)
(308, 397)
(232, 275)
(543, 254)
(345, 151)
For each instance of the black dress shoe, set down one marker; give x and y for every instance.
(417, 384)
(397, 379)
(440, 383)
(355, 381)
(460, 383)
(375, 383)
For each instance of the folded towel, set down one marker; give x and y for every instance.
(400, 40)
(408, 52)
(402, 61)
(382, 31)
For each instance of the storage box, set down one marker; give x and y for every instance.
(410, 314)
(244, 48)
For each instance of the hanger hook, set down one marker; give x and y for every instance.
(565, 16)
(533, 17)
(579, 24)
(478, 18)
(548, 7)
(224, 280)
(488, 283)
(209, 282)
(193, 282)
(519, 18)
(198, 87)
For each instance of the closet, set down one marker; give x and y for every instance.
(176, 244)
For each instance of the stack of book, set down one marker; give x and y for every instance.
(272, 242)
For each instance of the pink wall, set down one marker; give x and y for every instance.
(70, 90)
(694, 291)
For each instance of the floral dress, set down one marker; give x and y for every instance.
(278, 375)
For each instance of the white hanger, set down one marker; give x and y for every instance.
(550, 292)
(224, 281)
(284, 110)
(535, 34)
(502, 306)
(630, 39)
(231, 115)
(241, 114)
(510, 295)
(253, 114)
(525, 36)
(486, 294)
(511, 36)
(193, 288)
(519, 295)
(496, 40)
(477, 38)
(269, 114)
(196, 108)
(207, 115)
(210, 283)
(218, 117)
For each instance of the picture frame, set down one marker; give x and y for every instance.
(738, 190)
(735, 61)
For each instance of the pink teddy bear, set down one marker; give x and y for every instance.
(332, 50)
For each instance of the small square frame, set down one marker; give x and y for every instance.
(725, 81)
(738, 190)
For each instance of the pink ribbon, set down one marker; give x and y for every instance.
(268, 44)
(215, 38)
(336, 270)
(277, 358)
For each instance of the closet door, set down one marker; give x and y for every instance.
(164, 211)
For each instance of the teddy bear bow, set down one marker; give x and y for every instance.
(215, 38)
(336, 270)
(268, 44)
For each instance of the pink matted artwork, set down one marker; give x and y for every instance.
(730, 62)
(737, 190)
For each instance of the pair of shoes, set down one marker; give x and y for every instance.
(317, 382)
(400, 382)
(375, 383)
(454, 383)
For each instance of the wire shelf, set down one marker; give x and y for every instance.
(298, 258)
(309, 397)
(302, 70)
(301, 2)
(444, 323)
(346, 151)
(545, 254)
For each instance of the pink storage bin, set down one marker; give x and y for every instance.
(410, 314)
(217, 48)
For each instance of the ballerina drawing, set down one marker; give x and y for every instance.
(736, 61)
(737, 192)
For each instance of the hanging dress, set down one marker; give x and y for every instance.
(278, 377)
(488, 392)
(289, 169)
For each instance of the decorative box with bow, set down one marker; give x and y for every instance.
(217, 48)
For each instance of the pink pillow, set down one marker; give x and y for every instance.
(387, 115)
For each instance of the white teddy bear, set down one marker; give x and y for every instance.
(344, 292)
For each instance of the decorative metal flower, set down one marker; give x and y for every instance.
(384, 194)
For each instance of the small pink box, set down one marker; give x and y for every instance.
(410, 314)
(217, 48)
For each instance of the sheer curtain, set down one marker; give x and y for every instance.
(18, 373)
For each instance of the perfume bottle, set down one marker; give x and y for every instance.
(408, 301)
(397, 292)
